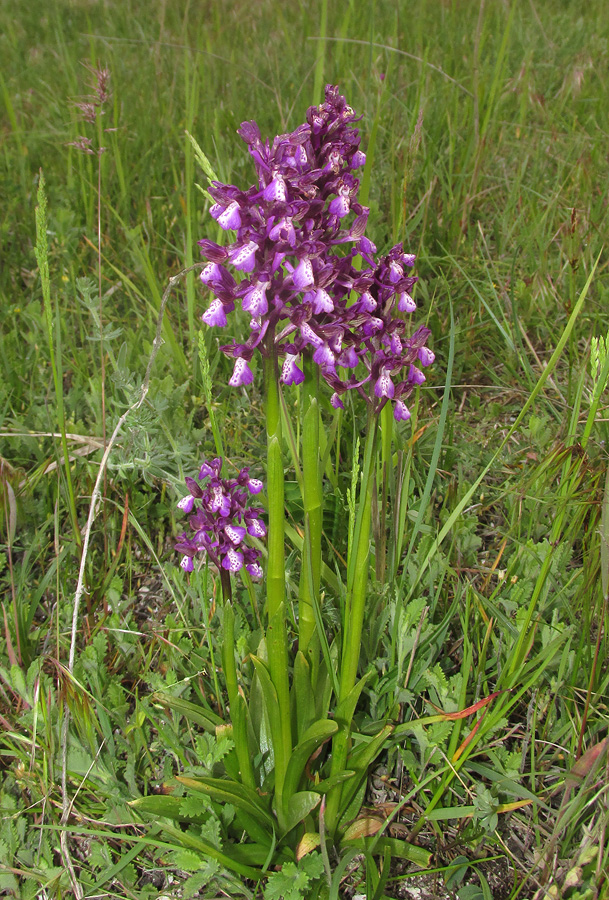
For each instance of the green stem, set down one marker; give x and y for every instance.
(238, 707)
(356, 593)
(275, 579)
(386, 489)
(210, 644)
(357, 588)
(312, 498)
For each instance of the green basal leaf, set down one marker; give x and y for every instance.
(360, 760)
(299, 806)
(346, 708)
(269, 695)
(314, 737)
(224, 791)
(305, 701)
(328, 783)
(400, 849)
(351, 807)
(251, 854)
(191, 841)
(191, 711)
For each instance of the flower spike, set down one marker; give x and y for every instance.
(294, 283)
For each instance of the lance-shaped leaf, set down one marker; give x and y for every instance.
(587, 761)
(308, 842)
(299, 806)
(193, 712)
(465, 744)
(316, 735)
(328, 783)
(305, 699)
(359, 760)
(186, 839)
(224, 791)
(346, 708)
(260, 833)
(395, 847)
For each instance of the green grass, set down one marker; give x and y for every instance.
(487, 149)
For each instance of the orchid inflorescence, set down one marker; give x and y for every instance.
(302, 294)
(221, 519)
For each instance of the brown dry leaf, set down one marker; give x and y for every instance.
(367, 826)
(309, 841)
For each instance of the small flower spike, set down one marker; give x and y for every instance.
(221, 520)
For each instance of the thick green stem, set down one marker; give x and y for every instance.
(275, 580)
(386, 485)
(312, 500)
(357, 589)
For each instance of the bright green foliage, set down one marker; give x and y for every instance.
(487, 156)
(294, 882)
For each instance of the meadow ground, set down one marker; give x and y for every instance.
(486, 131)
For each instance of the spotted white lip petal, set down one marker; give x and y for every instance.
(406, 303)
(303, 275)
(348, 359)
(368, 302)
(426, 356)
(235, 534)
(384, 386)
(395, 272)
(400, 411)
(254, 300)
(187, 564)
(186, 503)
(358, 159)
(219, 501)
(244, 258)
(242, 374)
(275, 190)
(210, 273)
(256, 528)
(415, 376)
(230, 219)
(323, 356)
(340, 206)
(309, 335)
(233, 560)
(215, 315)
(290, 373)
(395, 344)
(322, 302)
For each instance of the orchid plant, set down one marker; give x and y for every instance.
(323, 309)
